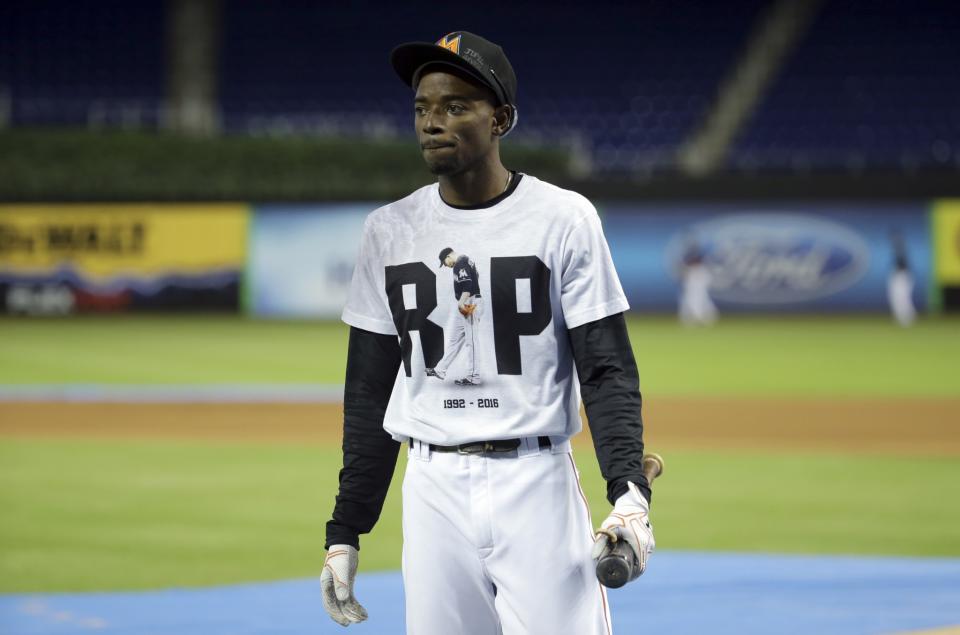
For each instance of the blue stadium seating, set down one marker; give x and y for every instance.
(626, 80)
(67, 62)
(874, 85)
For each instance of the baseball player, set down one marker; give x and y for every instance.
(463, 330)
(497, 533)
(695, 306)
(900, 283)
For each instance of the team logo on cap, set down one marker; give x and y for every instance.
(451, 42)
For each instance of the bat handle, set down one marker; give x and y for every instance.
(652, 466)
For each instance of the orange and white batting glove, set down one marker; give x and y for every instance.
(629, 521)
(336, 581)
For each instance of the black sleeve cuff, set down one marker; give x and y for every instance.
(339, 535)
(618, 487)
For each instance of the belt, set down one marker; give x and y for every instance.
(486, 447)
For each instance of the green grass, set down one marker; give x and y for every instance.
(87, 515)
(815, 356)
(171, 350)
(800, 357)
(84, 515)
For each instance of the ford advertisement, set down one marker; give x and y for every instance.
(770, 258)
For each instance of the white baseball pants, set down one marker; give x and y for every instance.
(499, 545)
(900, 297)
(462, 334)
(696, 307)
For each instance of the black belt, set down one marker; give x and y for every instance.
(486, 447)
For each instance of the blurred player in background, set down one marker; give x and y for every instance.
(497, 535)
(695, 305)
(900, 283)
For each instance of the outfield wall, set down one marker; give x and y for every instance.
(296, 260)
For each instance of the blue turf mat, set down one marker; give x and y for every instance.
(683, 592)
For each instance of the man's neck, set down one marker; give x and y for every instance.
(476, 186)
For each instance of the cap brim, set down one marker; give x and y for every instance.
(408, 58)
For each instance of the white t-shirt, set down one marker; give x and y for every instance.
(543, 266)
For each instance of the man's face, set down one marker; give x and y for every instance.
(455, 122)
(449, 261)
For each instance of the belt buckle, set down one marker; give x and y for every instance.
(474, 448)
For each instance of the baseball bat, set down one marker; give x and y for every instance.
(619, 565)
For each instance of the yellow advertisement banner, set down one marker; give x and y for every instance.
(946, 241)
(101, 241)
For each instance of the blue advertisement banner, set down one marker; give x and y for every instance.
(302, 258)
(814, 257)
(773, 257)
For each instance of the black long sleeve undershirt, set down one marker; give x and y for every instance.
(369, 453)
(610, 389)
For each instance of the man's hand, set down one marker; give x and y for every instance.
(466, 310)
(629, 521)
(336, 581)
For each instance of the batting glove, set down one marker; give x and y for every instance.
(336, 581)
(629, 521)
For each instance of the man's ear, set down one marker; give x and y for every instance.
(502, 116)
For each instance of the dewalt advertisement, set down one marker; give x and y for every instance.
(946, 248)
(57, 259)
(946, 238)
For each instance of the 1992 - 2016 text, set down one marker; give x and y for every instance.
(482, 402)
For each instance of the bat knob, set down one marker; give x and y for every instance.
(613, 571)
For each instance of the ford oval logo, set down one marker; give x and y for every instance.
(776, 258)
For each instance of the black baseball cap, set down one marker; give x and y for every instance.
(446, 251)
(478, 57)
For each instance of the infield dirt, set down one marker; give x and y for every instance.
(914, 426)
